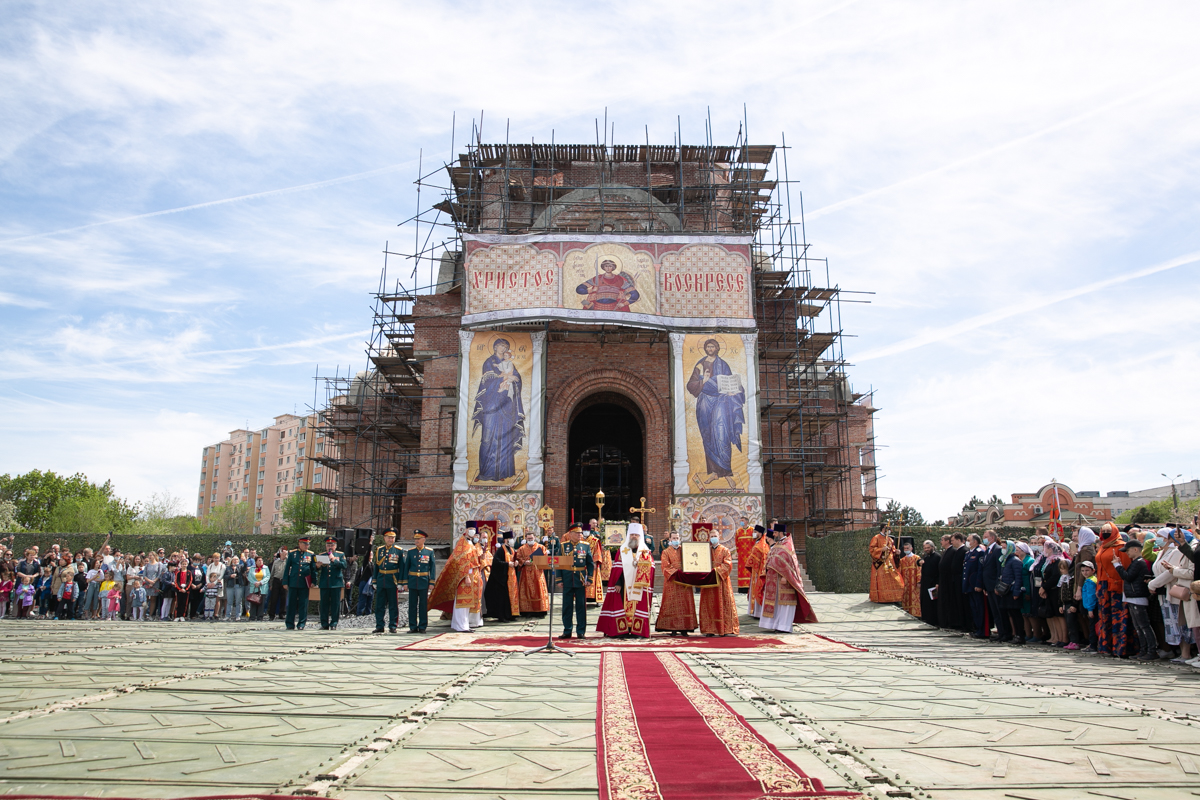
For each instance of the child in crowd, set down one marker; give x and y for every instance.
(1066, 604)
(45, 590)
(110, 597)
(24, 596)
(211, 593)
(67, 594)
(1087, 571)
(6, 588)
(137, 601)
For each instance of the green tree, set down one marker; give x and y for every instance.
(91, 513)
(303, 510)
(36, 494)
(970, 504)
(995, 500)
(898, 514)
(8, 516)
(231, 519)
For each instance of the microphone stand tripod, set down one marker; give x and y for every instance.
(550, 646)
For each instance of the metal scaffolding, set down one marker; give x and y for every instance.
(818, 448)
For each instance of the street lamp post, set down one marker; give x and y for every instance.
(1174, 495)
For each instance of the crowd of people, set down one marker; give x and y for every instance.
(157, 585)
(1122, 592)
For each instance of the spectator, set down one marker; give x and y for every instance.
(1091, 604)
(118, 573)
(259, 582)
(47, 602)
(110, 598)
(137, 601)
(166, 590)
(1135, 577)
(63, 575)
(196, 586)
(278, 594)
(216, 567)
(150, 577)
(235, 588)
(93, 577)
(133, 572)
(183, 585)
(1014, 574)
(212, 595)
(351, 578)
(7, 585)
(366, 590)
(24, 595)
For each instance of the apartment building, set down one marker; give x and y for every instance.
(263, 468)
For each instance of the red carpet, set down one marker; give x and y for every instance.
(661, 734)
(596, 643)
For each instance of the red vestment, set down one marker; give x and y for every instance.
(457, 582)
(757, 563)
(886, 584)
(532, 589)
(626, 608)
(783, 586)
(743, 540)
(677, 611)
(910, 572)
(718, 614)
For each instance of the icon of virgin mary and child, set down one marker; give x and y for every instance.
(612, 289)
(499, 415)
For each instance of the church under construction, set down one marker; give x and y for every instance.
(644, 320)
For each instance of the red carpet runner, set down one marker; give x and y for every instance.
(661, 734)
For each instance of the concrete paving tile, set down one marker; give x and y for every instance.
(484, 769)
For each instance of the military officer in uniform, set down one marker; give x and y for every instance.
(297, 576)
(574, 580)
(420, 570)
(388, 562)
(330, 579)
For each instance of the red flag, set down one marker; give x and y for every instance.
(1056, 525)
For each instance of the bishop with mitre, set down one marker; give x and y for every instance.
(458, 588)
(626, 609)
(784, 601)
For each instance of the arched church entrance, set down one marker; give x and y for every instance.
(606, 450)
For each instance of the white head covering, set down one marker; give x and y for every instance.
(629, 559)
(1086, 536)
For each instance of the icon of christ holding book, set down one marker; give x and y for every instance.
(720, 412)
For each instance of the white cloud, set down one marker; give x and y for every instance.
(969, 164)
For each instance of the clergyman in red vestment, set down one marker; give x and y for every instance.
(677, 611)
(626, 609)
(718, 612)
(743, 542)
(534, 599)
(886, 584)
(757, 563)
(784, 601)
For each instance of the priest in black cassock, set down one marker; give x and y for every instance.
(950, 595)
(500, 591)
(930, 561)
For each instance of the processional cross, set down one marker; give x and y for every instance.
(643, 511)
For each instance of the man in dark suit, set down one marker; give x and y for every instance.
(973, 585)
(991, 576)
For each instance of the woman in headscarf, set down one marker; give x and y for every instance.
(1115, 629)
(1041, 632)
(1013, 572)
(930, 563)
(1176, 632)
(1025, 554)
(1050, 607)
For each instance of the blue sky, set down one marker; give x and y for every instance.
(1017, 183)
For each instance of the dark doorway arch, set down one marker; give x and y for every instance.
(606, 450)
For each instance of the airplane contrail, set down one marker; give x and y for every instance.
(270, 192)
(971, 323)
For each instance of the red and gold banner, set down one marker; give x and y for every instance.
(651, 280)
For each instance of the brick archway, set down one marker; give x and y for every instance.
(654, 409)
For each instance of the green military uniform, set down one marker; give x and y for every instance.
(331, 580)
(420, 570)
(297, 576)
(573, 583)
(388, 562)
